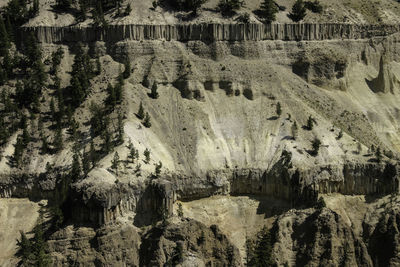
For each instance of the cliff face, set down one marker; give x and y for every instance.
(217, 130)
(209, 32)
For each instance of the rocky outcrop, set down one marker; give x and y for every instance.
(301, 188)
(187, 243)
(385, 82)
(116, 245)
(317, 238)
(209, 32)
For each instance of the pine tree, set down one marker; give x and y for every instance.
(340, 135)
(25, 249)
(158, 168)
(378, 155)
(127, 71)
(227, 7)
(86, 163)
(76, 170)
(45, 144)
(56, 58)
(98, 15)
(146, 121)
(111, 98)
(83, 7)
(278, 109)
(35, 7)
(298, 11)
(8, 65)
(58, 140)
(9, 28)
(4, 39)
(146, 154)
(154, 93)
(52, 109)
(92, 153)
(18, 151)
(98, 66)
(120, 126)
(107, 146)
(26, 137)
(140, 113)
(41, 258)
(294, 130)
(316, 143)
(115, 162)
(263, 249)
(132, 154)
(4, 133)
(310, 123)
(268, 10)
(128, 10)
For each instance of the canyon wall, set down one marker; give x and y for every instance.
(208, 32)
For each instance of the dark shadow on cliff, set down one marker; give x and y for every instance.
(270, 206)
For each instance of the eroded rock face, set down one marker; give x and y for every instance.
(116, 245)
(317, 238)
(321, 67)
(187, 243)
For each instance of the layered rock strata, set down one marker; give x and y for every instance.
(209, 32)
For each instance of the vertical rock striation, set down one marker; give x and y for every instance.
(208, 32)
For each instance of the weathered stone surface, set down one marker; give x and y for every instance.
(116, 245)
(187, 243)
(317, 238)
(210, 32)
